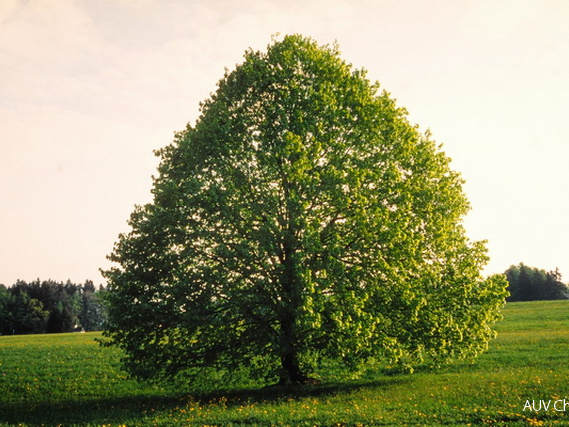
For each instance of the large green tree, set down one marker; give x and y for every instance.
(302, 217)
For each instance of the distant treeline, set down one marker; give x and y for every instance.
(531, 284)
(50, 307)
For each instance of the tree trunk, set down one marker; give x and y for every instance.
(292, 374)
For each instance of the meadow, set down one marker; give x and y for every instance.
(68, 379)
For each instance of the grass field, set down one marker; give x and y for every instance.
(68, 379)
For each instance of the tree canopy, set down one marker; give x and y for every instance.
(302, 218)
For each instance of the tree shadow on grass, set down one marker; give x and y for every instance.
(135, 410)
(272, 394)
(78, 411)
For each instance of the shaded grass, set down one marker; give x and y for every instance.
(68, 379)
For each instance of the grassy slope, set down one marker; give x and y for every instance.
(68, 379)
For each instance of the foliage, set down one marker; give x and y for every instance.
(67, 379)
(93, 312)
(21, 314)
(48, 306)
(301, 218)
(530, 284)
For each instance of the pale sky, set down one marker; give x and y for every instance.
(89, 88)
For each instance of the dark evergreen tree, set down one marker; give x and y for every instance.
(88, 286)
(27, 314)
(5, 312)
(554, 287)
(513, 278)
(526, 285)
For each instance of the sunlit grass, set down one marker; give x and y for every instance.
(68, 379)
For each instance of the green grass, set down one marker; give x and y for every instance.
(68, 379)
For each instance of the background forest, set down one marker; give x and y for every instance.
(50, 307)
(53, 307)
(533, 284)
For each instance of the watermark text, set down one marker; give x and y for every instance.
(559, 405)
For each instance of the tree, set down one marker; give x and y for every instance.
(62, 301)
(529, 284)
(48, 306)
(529, 281)
(27, 315)
(513, 277)
(92, 315)
(301, 218)
(5, 314)
(554, 287)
